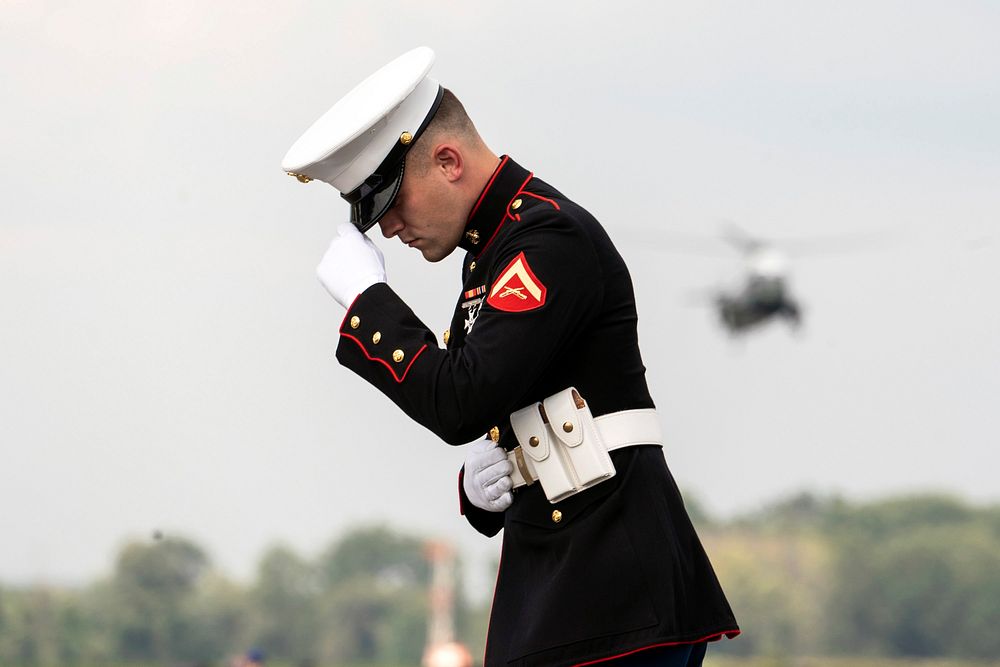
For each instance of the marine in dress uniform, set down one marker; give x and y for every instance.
(613, 573)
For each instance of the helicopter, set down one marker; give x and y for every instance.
(764, 292)
(764, 295)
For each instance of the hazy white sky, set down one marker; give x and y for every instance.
(166, 354)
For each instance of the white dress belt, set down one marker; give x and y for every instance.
(618, 430)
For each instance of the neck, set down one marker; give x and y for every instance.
(481, 167)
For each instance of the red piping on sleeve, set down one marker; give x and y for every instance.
(349, 310)
(398, 378)
(710, 638)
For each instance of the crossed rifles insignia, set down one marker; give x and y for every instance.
(515, 291)
(517, 280)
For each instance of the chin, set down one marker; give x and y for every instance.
(432, 256)
(435, 254)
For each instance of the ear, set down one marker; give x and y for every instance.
(448, 161)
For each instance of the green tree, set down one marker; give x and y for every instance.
(374, 597)
(152, 586)
(28, 627)
(929, 592)
(376, 552)
(285, 604)
(917, 576)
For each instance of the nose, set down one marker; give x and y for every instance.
(390, 224)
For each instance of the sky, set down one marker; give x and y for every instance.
(167, 355)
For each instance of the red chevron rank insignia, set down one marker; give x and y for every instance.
(517, 289)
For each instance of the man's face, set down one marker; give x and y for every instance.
(428, 214)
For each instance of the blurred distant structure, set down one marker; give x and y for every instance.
(442, 650)
(252, 658)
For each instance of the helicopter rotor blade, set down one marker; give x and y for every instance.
(839, 244)
(675, 242)
(701, 297)
(738, 237)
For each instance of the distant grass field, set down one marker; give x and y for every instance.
(717, 661)
(726, 661)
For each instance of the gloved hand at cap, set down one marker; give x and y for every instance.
(351, 265)
(487, 480)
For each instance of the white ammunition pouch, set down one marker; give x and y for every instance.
(563, 446)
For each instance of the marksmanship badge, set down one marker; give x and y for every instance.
(472, 306)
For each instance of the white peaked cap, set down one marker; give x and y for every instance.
(382, 115)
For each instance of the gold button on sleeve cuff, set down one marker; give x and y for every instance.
(398, 356)
(556, 516)
(376, 337)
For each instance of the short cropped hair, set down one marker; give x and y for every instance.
(449, 120)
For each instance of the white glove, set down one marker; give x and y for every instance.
(351, 265)
(487, 480)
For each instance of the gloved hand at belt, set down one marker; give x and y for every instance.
(486, 480)
(351, 265)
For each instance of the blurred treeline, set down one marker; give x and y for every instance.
(363, 600)
(911, 577)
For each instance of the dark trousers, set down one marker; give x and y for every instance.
(688, 655)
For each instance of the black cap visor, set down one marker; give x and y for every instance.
(372, 199)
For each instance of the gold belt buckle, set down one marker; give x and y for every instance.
(523, 466)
